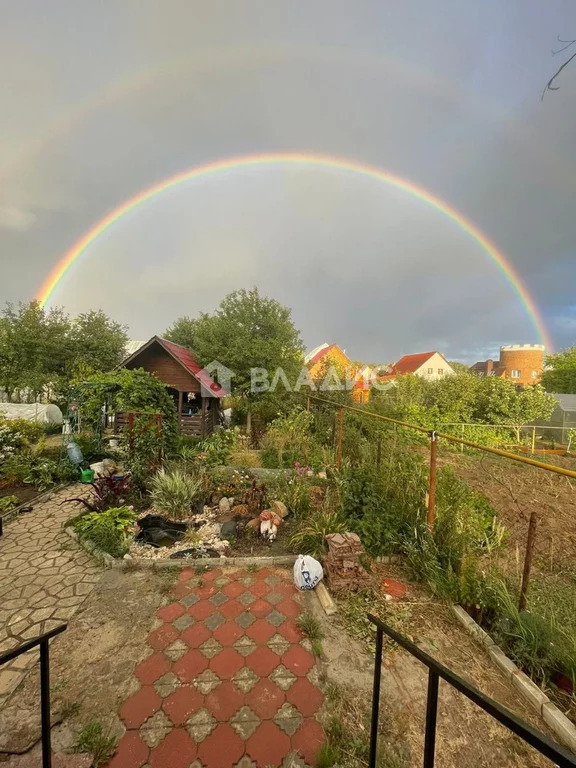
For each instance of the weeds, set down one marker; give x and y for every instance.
(310, 626)
(96, 743)
(348, 732)
(70, 709)
(252, 567)
(317, 648)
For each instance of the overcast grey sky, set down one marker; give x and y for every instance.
(100, 100)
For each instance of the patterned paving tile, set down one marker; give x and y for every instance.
(235, 689)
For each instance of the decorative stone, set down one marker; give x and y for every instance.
(279, 509)
(240, 510)
(224, 506)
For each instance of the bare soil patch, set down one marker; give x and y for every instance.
(466, 735)
(515, 491)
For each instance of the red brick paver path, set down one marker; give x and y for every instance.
(228, 683)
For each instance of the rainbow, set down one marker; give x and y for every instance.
(320, 161)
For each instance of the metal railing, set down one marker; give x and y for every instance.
(42, 641)
(558, 754)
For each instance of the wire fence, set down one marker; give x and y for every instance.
(533, 498)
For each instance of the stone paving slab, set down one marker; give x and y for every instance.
(228, 682)
(44, 578)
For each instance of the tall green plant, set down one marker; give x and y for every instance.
(173, 492)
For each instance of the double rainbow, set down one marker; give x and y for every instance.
(320, 161)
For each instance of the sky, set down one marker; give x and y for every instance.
(101, 100)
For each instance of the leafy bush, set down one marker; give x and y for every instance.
(107, 530)
(245, 458)
(35, 469)
(10, 441)
(309, 536)
(108, 492)
(294, 490)
(7, 503)
(288, 439)
(173, 492)
(218, 448)
(28, 431)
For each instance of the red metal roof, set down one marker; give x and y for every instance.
(320, 354)
(188, 361)
(411, 363)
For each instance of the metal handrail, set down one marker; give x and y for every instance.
(555, 752)
(42, 641)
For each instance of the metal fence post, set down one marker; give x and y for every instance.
(376, 699)
(432, 485)
(431, 714)
(340, 432)
(533, 440)
(45, 704)
(528, 560)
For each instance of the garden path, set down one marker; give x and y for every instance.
(44, 577)
(228, 681)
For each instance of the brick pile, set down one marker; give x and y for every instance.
(344, 569)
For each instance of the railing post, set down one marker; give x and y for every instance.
(533, 440)
(431, 713)
(340, 432)
(462, 436)
(432, 484)
(528, 560)
(376, 699)
(45, 703)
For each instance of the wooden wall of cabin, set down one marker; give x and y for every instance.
(157, 360)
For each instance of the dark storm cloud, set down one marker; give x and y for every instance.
(449, 100)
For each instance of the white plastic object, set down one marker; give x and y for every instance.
(307, 572)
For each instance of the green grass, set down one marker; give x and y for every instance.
(96, 743)
(310, 626)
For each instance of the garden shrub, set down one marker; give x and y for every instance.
(537, 643)
(108, 530)
(173, 493)
(28, 431)
(219, 446)
(107, 492)
(309, 537)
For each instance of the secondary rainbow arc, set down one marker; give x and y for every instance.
(69, 258)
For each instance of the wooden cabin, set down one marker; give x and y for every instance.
(196, 395)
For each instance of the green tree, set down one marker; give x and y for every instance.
(560, 373)
(246, 331)
(501, 401)
(459, 367)
(33, 347)
(97, 341)
(183, 331)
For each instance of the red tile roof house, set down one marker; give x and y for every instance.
(429, 365)
(196, 395)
